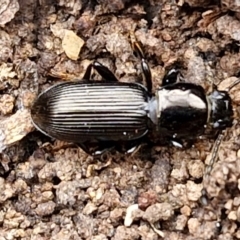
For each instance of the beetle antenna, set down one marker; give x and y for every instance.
(210, 166)
(233, 85)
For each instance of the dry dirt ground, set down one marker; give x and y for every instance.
(53, 190)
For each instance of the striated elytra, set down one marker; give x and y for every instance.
(77, 112)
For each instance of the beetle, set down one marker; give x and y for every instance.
(100, 115)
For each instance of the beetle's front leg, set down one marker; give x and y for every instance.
(103, 71)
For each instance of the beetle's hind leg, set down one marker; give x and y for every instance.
(103, 71)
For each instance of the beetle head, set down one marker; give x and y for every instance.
(221, 112)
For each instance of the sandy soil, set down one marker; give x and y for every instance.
(53, 190)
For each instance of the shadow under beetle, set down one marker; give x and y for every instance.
(99, 115)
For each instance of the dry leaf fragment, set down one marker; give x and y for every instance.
(14, 128)
(72, 44)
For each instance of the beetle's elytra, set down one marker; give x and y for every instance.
(105, 114)
(99, 111)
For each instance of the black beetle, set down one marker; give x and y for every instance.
(99, 115)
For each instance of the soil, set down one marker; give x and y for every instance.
(54, 190)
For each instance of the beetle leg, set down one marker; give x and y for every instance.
(103, 71)
(172, 77)
(147, 76)
(97, 148)
(85, 148)
(87, 74)
(129, 147)
(182, 143)
(176, 143)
